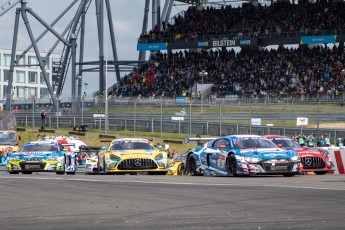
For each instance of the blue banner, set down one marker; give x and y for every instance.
(318, 39)
(151, 46)
(182, 99)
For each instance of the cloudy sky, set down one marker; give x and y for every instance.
(127, 18)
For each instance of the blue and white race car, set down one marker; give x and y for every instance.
(41, 156)
(241, 155)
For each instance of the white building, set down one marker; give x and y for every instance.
(28, 81)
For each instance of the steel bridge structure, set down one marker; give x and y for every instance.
(72, 64)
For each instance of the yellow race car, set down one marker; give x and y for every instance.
(177, 165)
(133, 155)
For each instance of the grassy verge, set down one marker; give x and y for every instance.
(92, 137)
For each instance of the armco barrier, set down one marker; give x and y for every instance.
(338, 158)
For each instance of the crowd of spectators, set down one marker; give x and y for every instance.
(314, 72)
(278, 19)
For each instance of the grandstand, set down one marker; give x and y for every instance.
(205, 37)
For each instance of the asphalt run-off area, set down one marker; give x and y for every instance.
(49, 201)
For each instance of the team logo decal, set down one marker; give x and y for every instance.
(137, 162)
(308, 161)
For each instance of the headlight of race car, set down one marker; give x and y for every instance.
(252, 159)
(295, 158)
(161, 164)
(159, 157)
(114, 157)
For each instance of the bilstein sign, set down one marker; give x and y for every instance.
(225, 42)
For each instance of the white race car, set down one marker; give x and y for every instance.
(89, 155)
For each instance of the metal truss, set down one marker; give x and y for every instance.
(71, 37)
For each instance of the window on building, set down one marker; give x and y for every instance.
(33, 61)
(42, 80)
(44, 93)
(7, 59)
(20, 76)
(47, 64)
(4, 95)
(32, 91)
(21, 61)
(6, 74)
(20, 92)
(32, 77)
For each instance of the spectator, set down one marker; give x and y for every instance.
(340, 142)
(300, 138)
(310, 141)
(327, 141)
(321, 142)
(43, 118)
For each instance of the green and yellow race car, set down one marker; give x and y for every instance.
(133, 155)
(177, 165)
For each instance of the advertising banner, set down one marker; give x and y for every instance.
(318, 39)
(302, 121)
(151, 46)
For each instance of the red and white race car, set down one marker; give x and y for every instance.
(312, 159)
(70, 143)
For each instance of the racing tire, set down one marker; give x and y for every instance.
(181, 170)
(232, 166)
(71, 173)
(13, 172)
(289, 174)
(321, 172)
(191, 166)
(64, 168)
(26, 173)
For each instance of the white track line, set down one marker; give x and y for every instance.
(173, 183)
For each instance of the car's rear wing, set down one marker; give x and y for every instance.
(91, 148)
(198, 139)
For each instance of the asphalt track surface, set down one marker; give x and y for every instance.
(49, 201)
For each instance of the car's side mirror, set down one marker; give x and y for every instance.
(279, 145)
(20, 138)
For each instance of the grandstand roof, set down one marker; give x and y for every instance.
(217, 2)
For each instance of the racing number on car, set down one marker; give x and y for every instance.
(220, 161)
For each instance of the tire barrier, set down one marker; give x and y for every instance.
(338, 157)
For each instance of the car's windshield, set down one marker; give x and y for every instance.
(92, 154)
(124, 145)
(257, 143)
(39, 148)
(285, 143)
(8, 138)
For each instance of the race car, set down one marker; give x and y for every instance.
(176, 166)
(70, 143)
(133, 155)
(241, 155)
(90, 154)
(41, 156)
(313, 160)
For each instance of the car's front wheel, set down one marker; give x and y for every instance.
(191, 166)
(232, 166)
(181, 169)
